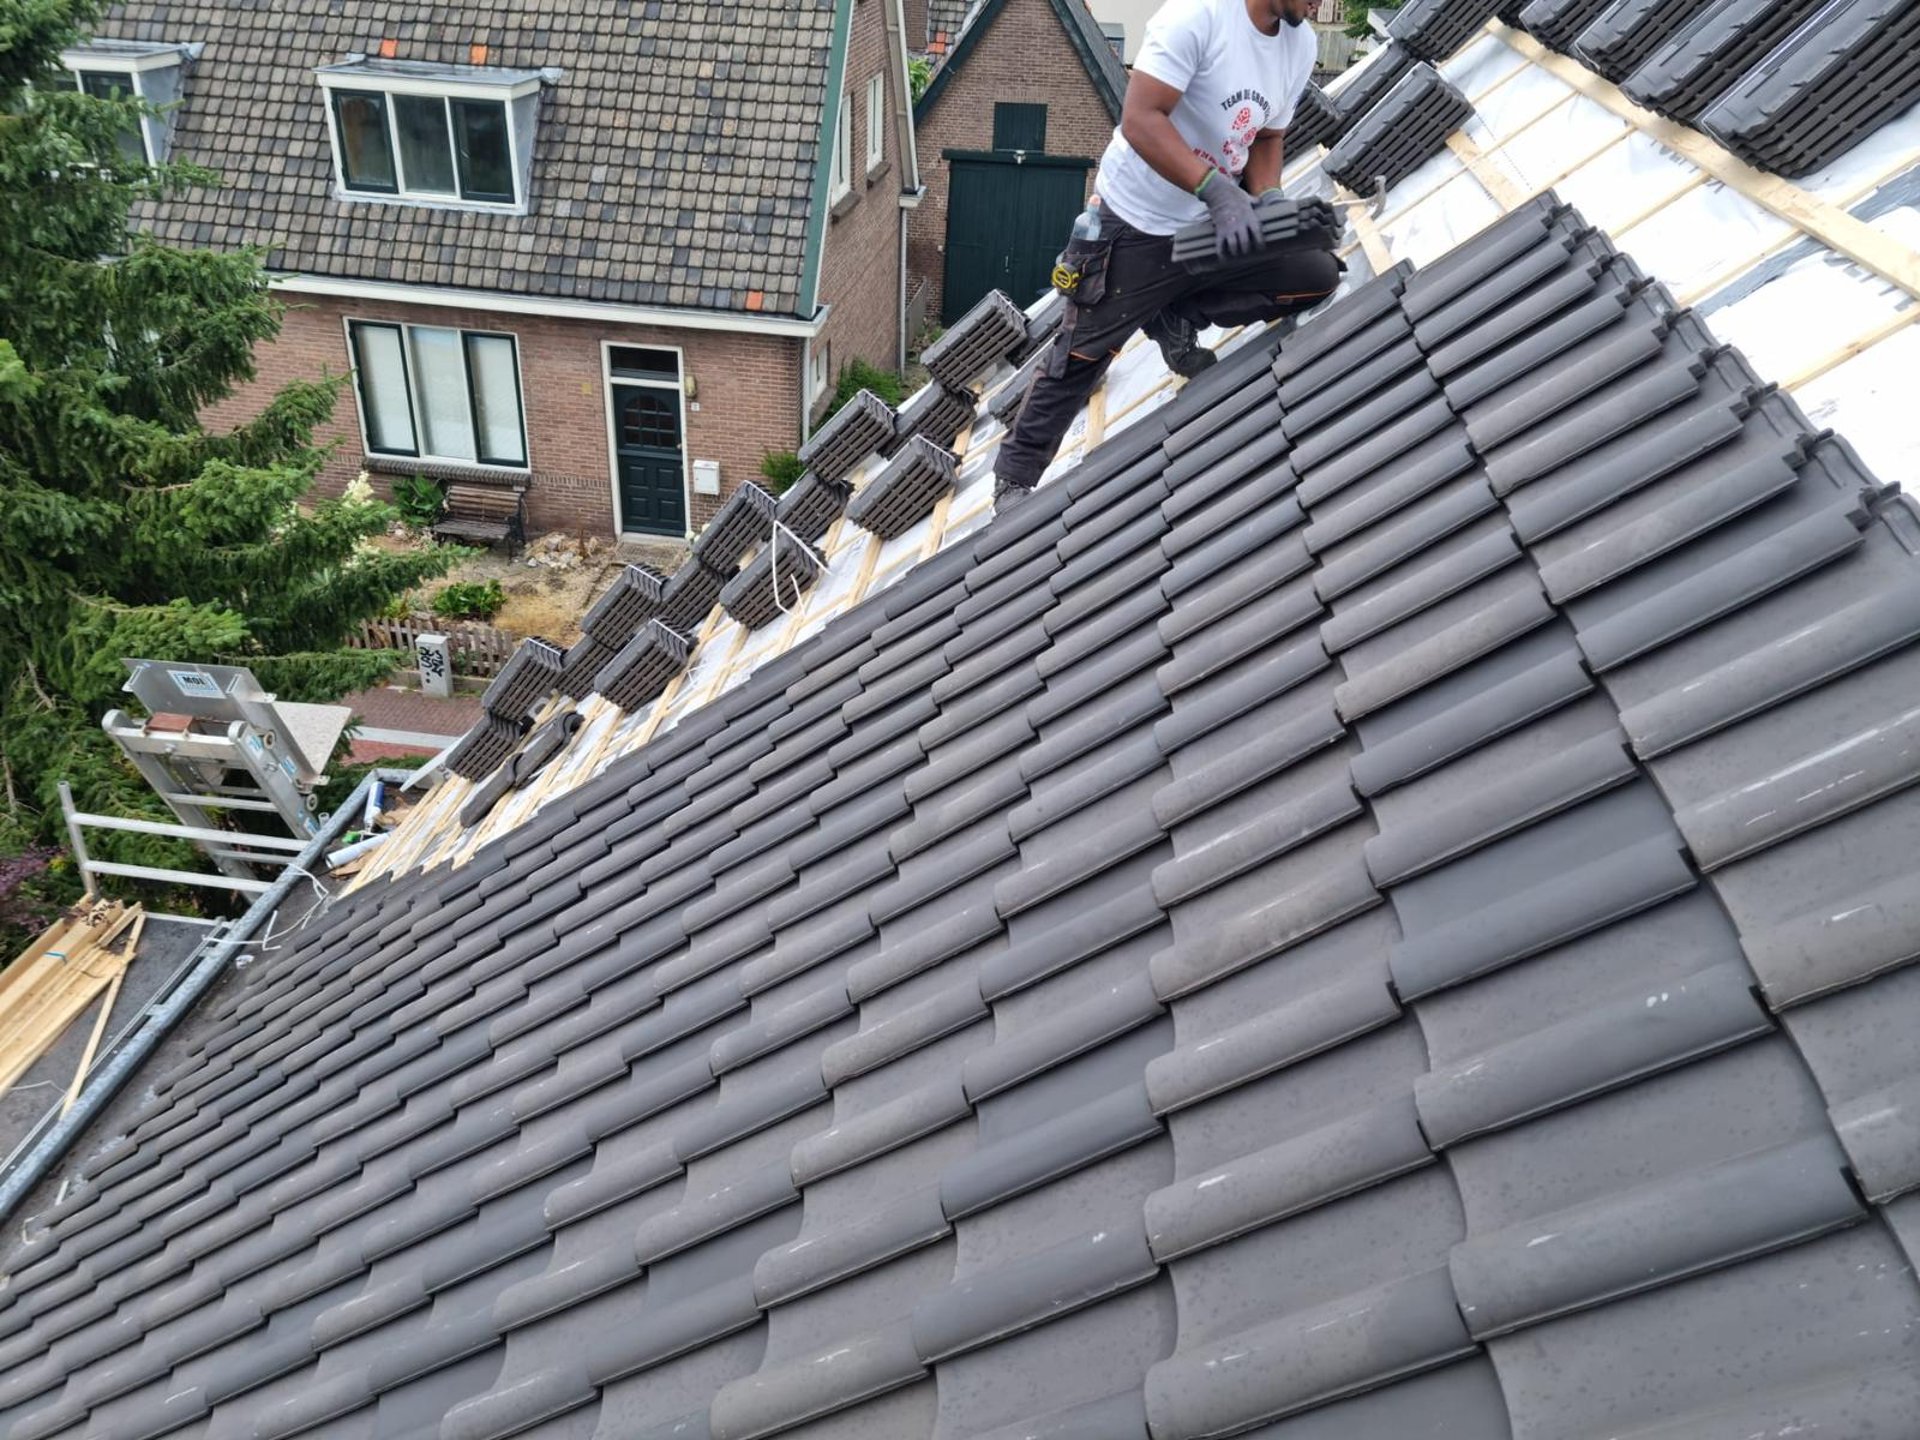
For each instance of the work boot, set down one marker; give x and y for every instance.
(1007, 494)
(1179, 342)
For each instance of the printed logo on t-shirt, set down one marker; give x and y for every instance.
(1250, 110)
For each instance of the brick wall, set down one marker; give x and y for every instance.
(860, 264)
(747, 389)
(1024, 57)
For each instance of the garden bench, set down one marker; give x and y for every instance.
(485, 513)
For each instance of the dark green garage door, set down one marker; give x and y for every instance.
(1007, 218)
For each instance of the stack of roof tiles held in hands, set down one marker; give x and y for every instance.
(1825, 89)
(531, 674)
(1407, 127)
(1378, 905)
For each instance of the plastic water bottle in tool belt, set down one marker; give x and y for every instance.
(1067, 266)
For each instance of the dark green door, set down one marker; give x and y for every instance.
(646, 437)
(1008, 217)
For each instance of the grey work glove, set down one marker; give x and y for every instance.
(1236, 229)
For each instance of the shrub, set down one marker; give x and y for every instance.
(781, 468)
(470, 600)
(417, 499)
(858, 375)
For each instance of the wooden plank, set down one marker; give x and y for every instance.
(1859, 345)
(1727, 274)
(62, 986)
(62, 935)
(1475, 98)
(1367, 233)
(1097, 417)
(1828, 223)
(1505, 190)
(100, 1020)
(1654, 207)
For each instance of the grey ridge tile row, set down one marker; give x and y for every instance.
(1379, 904)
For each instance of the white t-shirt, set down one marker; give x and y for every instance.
(1234, 83)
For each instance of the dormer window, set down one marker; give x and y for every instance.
(431, 134)
(130, 69)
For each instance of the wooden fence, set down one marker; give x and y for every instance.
(478, 648)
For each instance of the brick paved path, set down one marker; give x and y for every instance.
(387, 707)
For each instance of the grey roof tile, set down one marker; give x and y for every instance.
(1036, 965)
(1311, 1357)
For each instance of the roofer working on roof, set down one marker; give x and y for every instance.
(1200, 135)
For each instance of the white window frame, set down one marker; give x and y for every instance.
(876, 121)
(842, 182)
(135, 61)
(608, 381)
(820, 363)
(421, 456)
(355, 76)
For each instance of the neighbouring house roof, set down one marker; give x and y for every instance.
(1379, 903)
(1089, 45)
(945, 20)
(675, 157)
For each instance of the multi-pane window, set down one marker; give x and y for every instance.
(843, 150)
(431, 134)
(434, 146)
(439, 394)
(111, 85)
(876, 121)
(128, 70)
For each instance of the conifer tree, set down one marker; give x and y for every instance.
(127, 528)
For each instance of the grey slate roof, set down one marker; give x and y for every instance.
(673, 163)
(1379, 905)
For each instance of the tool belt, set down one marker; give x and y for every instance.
(1080, 273)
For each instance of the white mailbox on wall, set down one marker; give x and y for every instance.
(706, 477)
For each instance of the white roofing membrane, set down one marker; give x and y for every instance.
(1834, 334)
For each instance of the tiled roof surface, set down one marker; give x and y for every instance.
(673, 163)
(1378, 905)
(1375, 906)
(945, 20)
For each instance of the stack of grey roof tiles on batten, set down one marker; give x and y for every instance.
(1378, 905)
(642, 631)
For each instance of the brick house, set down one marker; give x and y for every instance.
(610, 254)
(1010, 130)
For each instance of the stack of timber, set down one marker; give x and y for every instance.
(59, 976)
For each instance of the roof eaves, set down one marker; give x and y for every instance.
(819, 206)
(1109, 76)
